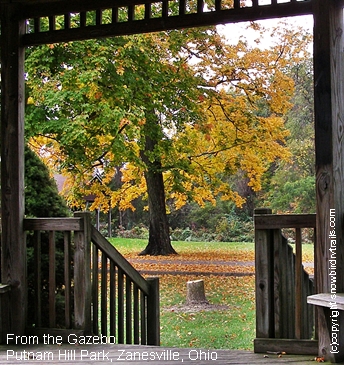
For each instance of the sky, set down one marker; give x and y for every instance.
(234, 31)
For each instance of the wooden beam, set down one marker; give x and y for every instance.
(299, 347)
(42, 8)
(164, 23)
(329, 145)
(13, 255)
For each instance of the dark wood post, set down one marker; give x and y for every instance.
(329, 144)
(82, 275)
(264, 280)
(13, 250)
(153, 313)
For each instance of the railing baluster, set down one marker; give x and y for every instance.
(218, 5)
(104, 281)
(95, 289)
(153, 313)
(298, 283)
(67, 21)
(99, 17)
(136, 314)
(128, 311)
(200, 5)
(38, 277)
(67, 279)
(52, 23)
(143, 310)
(120, 306)
(182, 7)
(52, 280)
(164, 9)
(83, 19)
(112, 299)
(131, 13)
(114, 15)
(236, 4)
(148, 11)
(37, 25)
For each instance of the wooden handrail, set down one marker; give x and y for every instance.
(278, 221)
(120, 261)
(53, 224)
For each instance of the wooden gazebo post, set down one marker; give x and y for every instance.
(329, 145)
(13, 248)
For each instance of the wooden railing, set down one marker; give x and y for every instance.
(100, 293)
(284, 320)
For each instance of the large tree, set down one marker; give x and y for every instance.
(177, 110)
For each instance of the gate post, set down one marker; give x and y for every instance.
(329, 147)
(264, 280)
(82, 275)
(13, 255)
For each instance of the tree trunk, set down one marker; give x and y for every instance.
(195, 293)
(159, 242)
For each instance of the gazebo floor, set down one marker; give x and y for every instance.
(135, 355)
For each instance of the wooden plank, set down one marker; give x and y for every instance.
(103, 295)
(153, 313)
(13, 247)
(327, 300)
(103, 244)
(128, 311)
(53, 224)
(67, 279)
(311, 311)
(136, 314)
(112, 294)
(52, 280)
(38, 277)
(82, 276)
(95, 289)
(143, 318)
(307, 314)
(329, 145)
(278, 221)
(298, 283)
(290, 346)
(224, 16)
(290, 291)
(120, 306)
(264, 284)
(278, 285)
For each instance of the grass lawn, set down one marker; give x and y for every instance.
(231, 328)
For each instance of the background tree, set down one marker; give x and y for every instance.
(290, 185)
(179, 111)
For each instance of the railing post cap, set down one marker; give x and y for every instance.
(263, 211)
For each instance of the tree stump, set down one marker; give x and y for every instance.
(195, 293)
